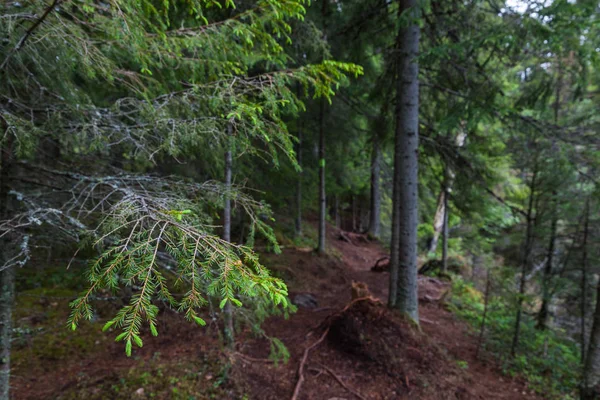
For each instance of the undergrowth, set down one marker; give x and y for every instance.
(546, 358)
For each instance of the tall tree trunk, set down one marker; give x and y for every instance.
(228, 309)
(445, 233)
(7, 276)
(375, 220)
(485, 311)
(7, 288)
(354, 213)
(584, 261)
(591, 369)
(322, 194)
(403, 277)
(542, 320)
(338, 216)
(525, 261)
(440, 211)
(298, 225)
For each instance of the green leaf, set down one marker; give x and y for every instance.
(200, 321)
(108, 325)
(153, 330)
(128, 348)
(138, 340)
(223, 302)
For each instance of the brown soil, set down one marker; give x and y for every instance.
(368, 350)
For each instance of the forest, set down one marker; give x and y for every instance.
(299, 199)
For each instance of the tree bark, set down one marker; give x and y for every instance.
(440, 211)
(322, 194)
(228, 310)
(542, 320)
(591, 369)
(354, 213)
(584, 261)
(445, 233)
(525, 261)
(403, 277)
(338, 216)
(298, 222)
(375, 219)
(7, 288)
(7, 276)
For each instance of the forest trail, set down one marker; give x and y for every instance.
(440, 363)
(459, 374)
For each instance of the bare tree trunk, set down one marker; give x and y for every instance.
(403, 277)
(584, 261)
(542, 320)
(445, 233)
(7, 276)
(440, 211)
(338, 216)
(298, 224)
(485, 311)
(7, 288)
(525, 262)
(322, 194)
(375, 219)
(354, 212)
(228, 311)
(591, 369)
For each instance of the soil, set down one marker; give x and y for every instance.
(367, 351)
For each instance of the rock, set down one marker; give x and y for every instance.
(305, 300)
(139, 392)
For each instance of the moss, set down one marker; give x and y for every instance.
(203, 379)
(41, 332)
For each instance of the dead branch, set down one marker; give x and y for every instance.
(253, 359)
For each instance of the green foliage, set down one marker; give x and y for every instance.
(548, 359)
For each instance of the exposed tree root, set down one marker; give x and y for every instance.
(326, 324)
(303, 362)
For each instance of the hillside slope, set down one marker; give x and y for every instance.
(366, 350)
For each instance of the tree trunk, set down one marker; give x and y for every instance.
(338, 216)
(228, 310)
(7, 288)
(298, 225)
(403, 277)
(525, 262)
(375, 220)
(354, 213)
(584, 261)
(440, 211)
(445, 233)
(485, 311)
(542, 320)
(591, 369)
(7, 276)
(322, 194)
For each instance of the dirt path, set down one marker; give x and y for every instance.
(329, 282)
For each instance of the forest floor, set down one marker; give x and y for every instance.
(367, 351)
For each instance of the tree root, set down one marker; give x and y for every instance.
(303, 362)
(327, 324)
